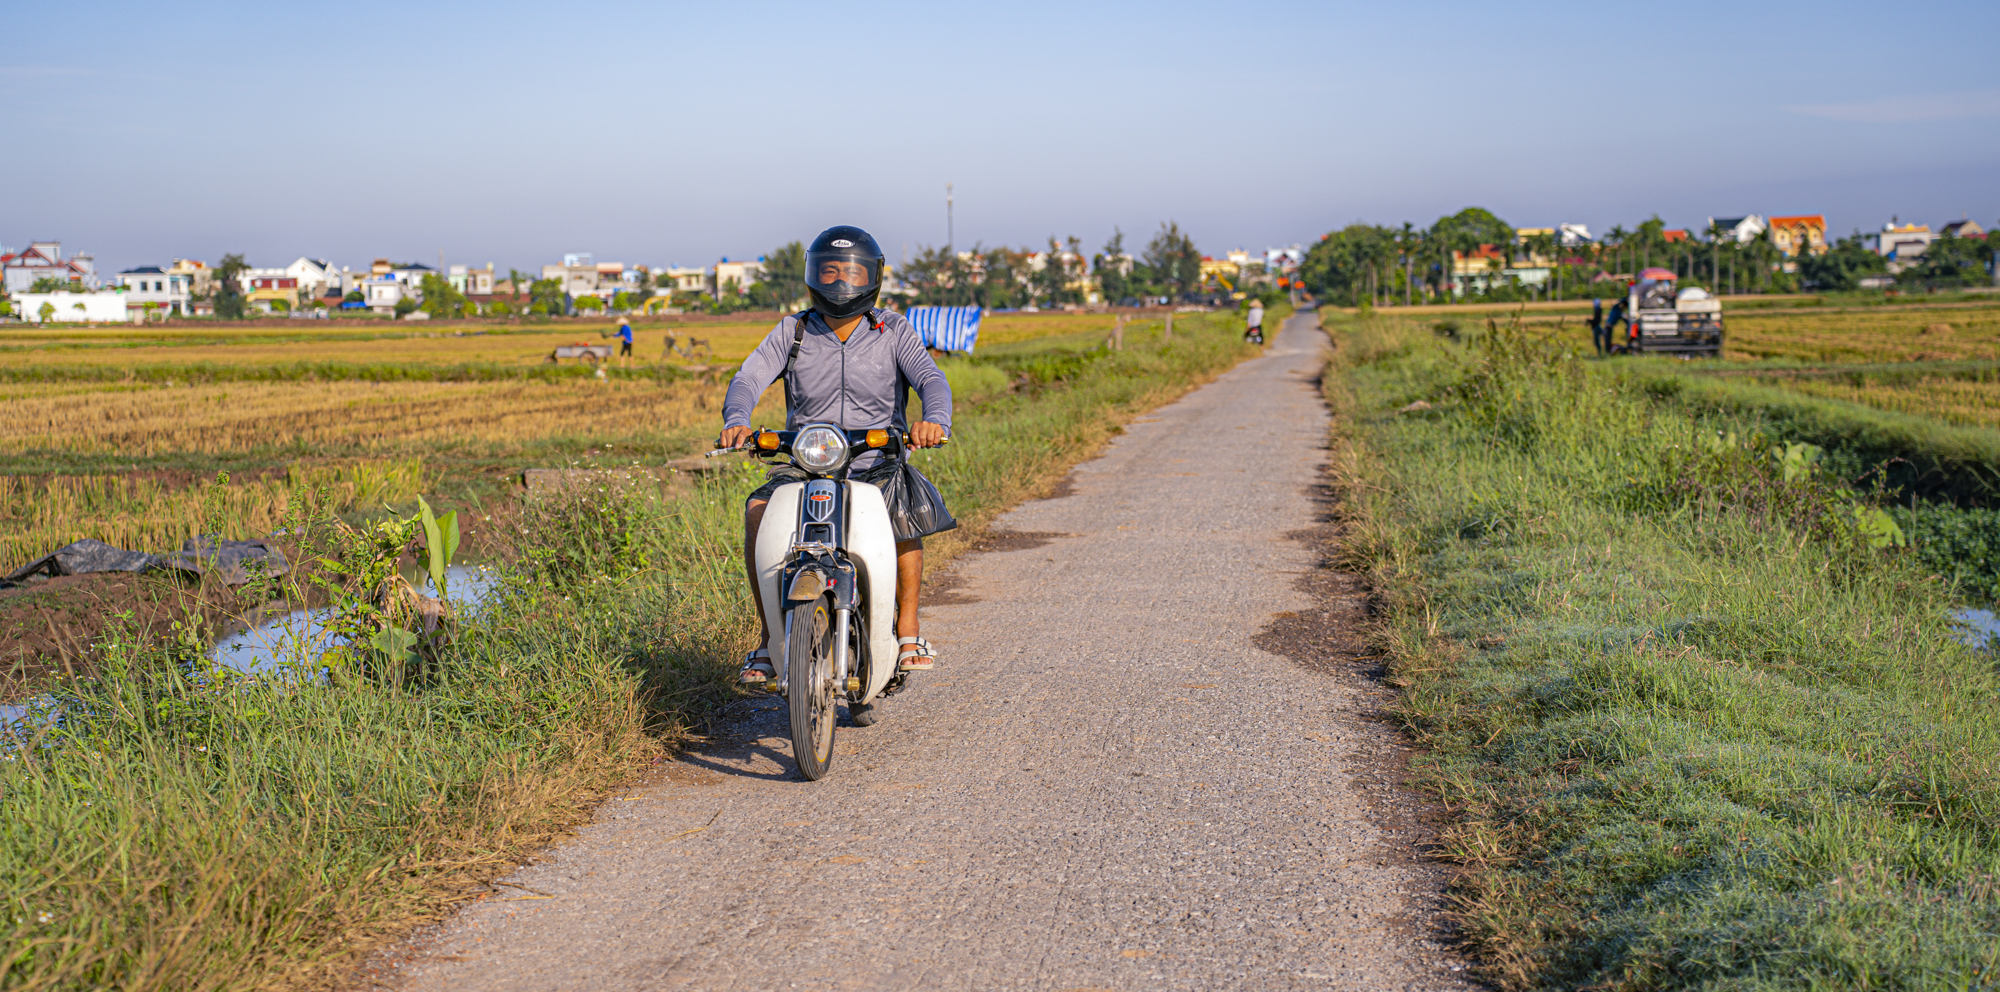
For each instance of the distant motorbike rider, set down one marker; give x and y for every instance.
(850, 363)
(1255, 321)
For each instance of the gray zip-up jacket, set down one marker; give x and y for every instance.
(860, 385)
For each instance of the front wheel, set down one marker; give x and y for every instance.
(809, 685)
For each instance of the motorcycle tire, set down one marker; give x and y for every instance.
(809, 686)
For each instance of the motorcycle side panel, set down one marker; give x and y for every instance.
(774, 546)
(871, 544)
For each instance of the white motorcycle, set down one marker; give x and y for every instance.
(826, 566)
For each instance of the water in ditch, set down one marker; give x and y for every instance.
(292, 641)
(302, 635)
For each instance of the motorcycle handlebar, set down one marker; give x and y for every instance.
(784, 440)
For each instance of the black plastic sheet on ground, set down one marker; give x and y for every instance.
(232, 562)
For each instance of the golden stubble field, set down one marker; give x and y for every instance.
(445, 344)
(1866, 336)
(1960, 402)
(360, 417)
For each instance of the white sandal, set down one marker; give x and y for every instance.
(757, 670)
(917, 655)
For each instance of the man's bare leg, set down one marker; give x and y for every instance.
(753, 517)
(909, 582)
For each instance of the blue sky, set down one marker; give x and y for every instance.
(665, 133)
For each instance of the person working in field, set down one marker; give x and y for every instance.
(845, 362)
(625, 341)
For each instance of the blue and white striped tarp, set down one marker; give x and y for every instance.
(946, 328)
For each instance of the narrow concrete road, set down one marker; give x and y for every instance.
(1104, 786)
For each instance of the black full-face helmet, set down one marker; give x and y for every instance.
(843, 271)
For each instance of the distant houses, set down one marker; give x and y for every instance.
(44, 260)
(163, 290)
(1741, 230)
(69, 286)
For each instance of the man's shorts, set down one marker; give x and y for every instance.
(625, 348)
(877, 474)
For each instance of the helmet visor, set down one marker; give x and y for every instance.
(841, 275)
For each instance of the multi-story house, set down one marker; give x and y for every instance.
(1903, 243)
(266, 292)
(740, 275)
(1803, 233)
(168, 291)
(382, 292)
(578, 274)
(471, 281)
(1741, 230)
(198, 275)
(680, 279)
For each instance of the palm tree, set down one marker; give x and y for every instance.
(1406, 243)
(1615, 241)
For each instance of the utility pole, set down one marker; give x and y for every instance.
(949, 235)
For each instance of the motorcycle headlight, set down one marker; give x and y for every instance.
(819, 449)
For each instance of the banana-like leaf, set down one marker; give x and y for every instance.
(395, 642)
(448, 532)
(434, 551)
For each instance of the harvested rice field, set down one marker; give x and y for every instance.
(1866, 335)
(420, 344)
(1960, 402)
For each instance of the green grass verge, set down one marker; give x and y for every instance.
(190, 829)
(1696, 731)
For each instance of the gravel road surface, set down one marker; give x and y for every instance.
(1105, 785)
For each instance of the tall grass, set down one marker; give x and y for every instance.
(1696, 730)
(191, 828)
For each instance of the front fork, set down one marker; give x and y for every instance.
(838, 579)
(843, 658)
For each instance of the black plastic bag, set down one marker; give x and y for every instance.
(916, 508)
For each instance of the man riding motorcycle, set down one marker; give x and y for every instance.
(845, 362)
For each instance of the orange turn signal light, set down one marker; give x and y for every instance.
(877, 439)
(767, 440)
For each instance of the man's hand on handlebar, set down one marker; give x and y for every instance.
(924, 434)
(733, 437)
